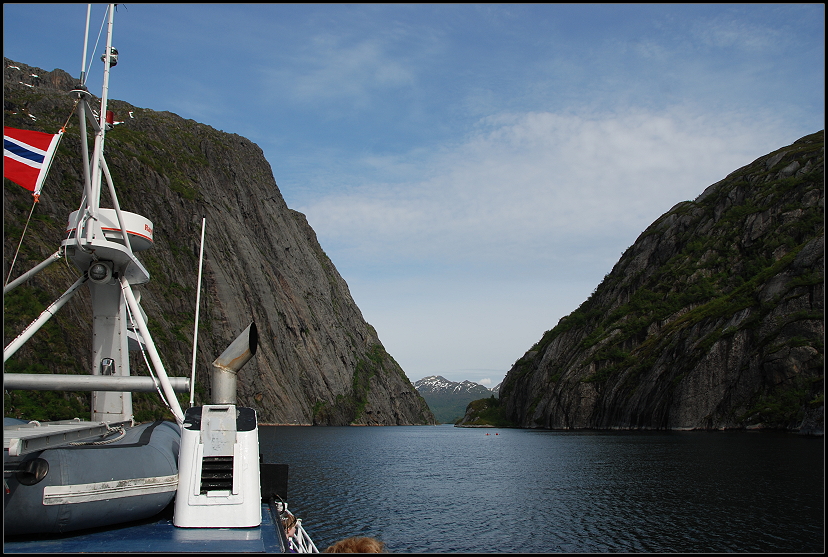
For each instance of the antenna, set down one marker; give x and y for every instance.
(198, 306)
(85, 44)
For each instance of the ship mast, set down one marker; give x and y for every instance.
(102, 244)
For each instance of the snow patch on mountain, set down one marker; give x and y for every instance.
(437, 384)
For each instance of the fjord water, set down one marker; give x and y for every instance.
(446, 489)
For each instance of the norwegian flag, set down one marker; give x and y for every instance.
(27, 156)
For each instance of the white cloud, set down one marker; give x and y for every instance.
(348, 66)
(465, 255)
(473, 171)
(335, 69)
(727, 30)
(520, 182)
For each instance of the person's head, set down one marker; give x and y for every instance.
(358, 544)
(288, 523)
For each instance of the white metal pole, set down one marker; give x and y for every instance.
(42, 318)
(198, 307)
(114, 196)
(87, 176)
(153, 353)
(117, 383)
(85, 44)
(95, 199)
(29, 274)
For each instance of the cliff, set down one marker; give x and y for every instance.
(318, 361)
(713, 318)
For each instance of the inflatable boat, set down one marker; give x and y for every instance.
(125, 474)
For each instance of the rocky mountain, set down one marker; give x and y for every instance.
(318, 361)
(437, 384)
(713, 318)
(448, 399)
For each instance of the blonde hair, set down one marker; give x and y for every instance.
(357, 544)
(288, 520)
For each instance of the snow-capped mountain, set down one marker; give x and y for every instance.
(438, 384)
(448, 399)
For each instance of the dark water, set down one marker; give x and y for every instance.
(447, 489)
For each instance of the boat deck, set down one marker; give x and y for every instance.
(158, 535)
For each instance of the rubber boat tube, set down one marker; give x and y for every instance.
(88, 486)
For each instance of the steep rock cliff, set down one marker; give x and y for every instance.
(318, 361)
(714, 318)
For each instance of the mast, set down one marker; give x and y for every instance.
(102, 243)
(93, 204)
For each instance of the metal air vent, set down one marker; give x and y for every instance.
(216, 473)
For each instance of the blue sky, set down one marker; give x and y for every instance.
(473, 171)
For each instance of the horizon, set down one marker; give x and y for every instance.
(473, 171)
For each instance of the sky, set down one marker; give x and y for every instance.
(473, 171)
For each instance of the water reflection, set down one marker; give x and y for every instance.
(445, 489)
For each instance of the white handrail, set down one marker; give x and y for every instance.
(302, 540)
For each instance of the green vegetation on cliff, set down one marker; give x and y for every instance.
(318, 360)
(485, 412)
(720, 297)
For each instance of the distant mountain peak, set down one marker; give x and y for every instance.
(437, 384)
(448, 399)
